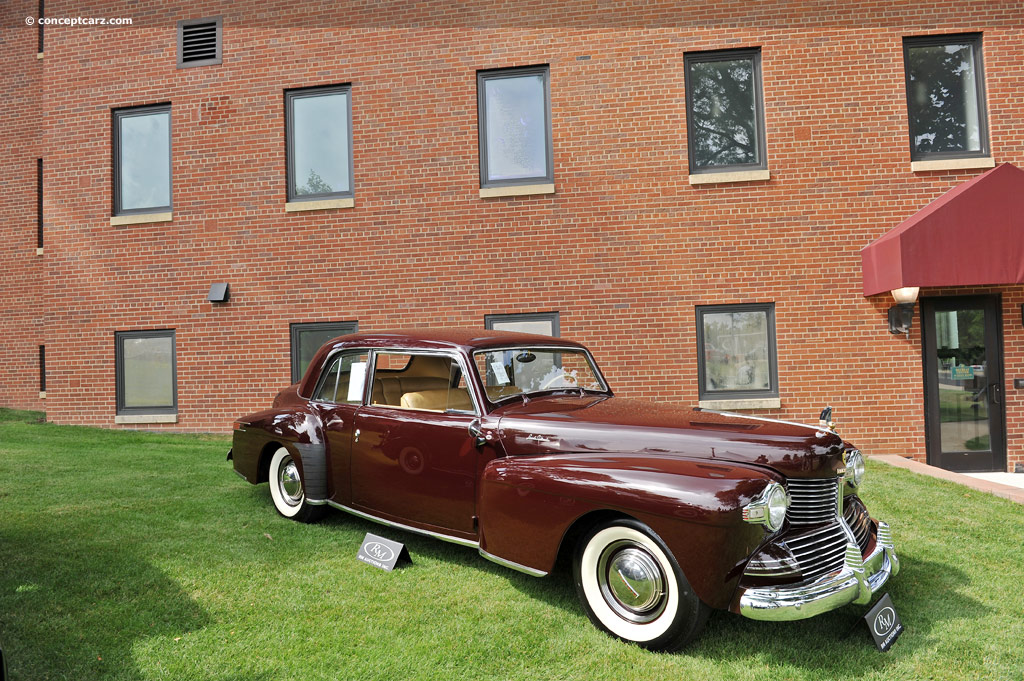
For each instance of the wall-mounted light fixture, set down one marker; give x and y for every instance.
(901, 315)
(219, 293)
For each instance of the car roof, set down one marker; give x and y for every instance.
(467, 339)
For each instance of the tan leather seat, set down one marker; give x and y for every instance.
(438, 400)
(425, 372)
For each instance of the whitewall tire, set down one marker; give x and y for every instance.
(631, 587)
(287, 488)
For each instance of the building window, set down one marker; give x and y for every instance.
(725, 111)
(147, 372)
(142, 160)
(945, 97)
(514, 121)
(543, 323)
(736, 351)
(308, 338)
(318, 130)
(42, 13)
(199, 42)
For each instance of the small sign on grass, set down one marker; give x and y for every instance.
(884, 623)
(382, 553)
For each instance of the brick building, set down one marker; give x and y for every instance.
(685, 188)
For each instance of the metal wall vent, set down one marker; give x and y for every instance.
(199, 42)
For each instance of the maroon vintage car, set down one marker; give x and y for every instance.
(513, 444)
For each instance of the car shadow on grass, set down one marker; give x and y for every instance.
(74, 608)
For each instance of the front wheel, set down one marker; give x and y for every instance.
(287, 490)
(632, 587)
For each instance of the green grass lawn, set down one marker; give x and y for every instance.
(130, 555)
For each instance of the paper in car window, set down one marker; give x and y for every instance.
(500, 374)
(356, 381)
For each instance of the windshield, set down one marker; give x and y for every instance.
(515, 371)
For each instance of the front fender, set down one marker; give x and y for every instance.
(297, 428)
(527, 505)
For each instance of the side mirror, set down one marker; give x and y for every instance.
(477, 432)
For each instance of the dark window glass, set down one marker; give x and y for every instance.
(146, 372)
(42, 368)
(945, 96)
(142, 160)
(515, 127)
(543, 323)
(319, 141)
(736, 351)
(308, 338)
(725, 121)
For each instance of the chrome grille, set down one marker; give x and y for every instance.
(856, 516)
(812, 501)
(819, 551)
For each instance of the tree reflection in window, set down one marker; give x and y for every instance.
(723, 111)
(944, 95)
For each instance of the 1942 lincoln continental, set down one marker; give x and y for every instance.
(514, 444)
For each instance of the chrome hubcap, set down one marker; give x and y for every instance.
(632, 582)
(289, 482)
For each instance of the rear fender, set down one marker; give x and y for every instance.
(529, 507)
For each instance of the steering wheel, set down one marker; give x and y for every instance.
(568, 378)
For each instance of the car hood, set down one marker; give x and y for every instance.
(613, 425)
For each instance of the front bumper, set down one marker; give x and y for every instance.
(856, 582)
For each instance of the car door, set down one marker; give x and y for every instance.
(414, 458)
(336, 399)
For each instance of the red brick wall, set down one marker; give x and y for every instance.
(624, 250)
(21, 270)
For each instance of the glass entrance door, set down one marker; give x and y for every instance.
(964, 384)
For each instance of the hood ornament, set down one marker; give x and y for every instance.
(825, 420)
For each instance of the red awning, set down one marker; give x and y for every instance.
(973, 235)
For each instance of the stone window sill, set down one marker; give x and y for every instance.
(42, 395)
(953, 164)
(145, 418)
(327, 204)
(739, 176)
(39, 251)
(735, 405)
(516, 190)
(140, 218)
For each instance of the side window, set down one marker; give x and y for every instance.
(344, 379)
(421, 382)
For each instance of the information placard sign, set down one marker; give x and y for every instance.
(382, 553)
(884, 623)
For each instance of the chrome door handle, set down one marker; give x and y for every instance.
(356, 438)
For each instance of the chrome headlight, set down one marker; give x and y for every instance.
(769, 507)
(854, 461)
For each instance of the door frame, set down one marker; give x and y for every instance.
(997, 412)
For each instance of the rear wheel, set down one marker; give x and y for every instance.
(632, 587)
(287, 489)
